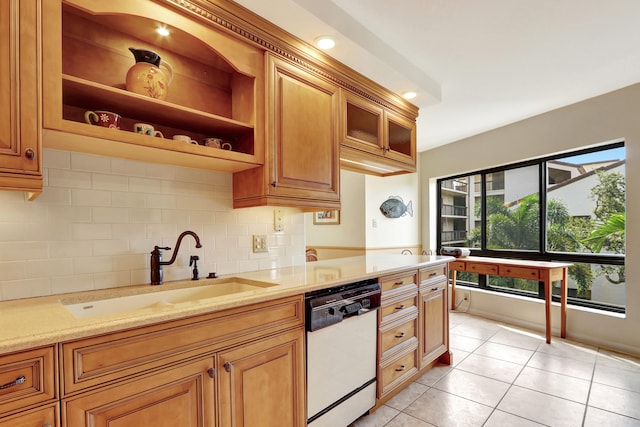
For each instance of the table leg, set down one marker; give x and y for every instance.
(547, 303)
(563, 303)
(453, 289)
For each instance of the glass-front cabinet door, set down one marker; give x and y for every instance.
(362, 124)
(400, 135)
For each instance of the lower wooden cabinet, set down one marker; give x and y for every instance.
(434, 324)
(262, 383)
(183, 395)
(42, 417)
(435, 336)
(29, 388)
(413, 329)
(240, 367)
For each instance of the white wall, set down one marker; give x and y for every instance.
(361, 197)
(99, 218)
(350, 232)
(606, 118)
(392, 232)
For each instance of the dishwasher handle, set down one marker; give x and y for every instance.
(351, 309)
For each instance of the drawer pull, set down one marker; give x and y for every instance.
(433, 273)
(400, 307)
(18, 380)
(435, 288)
(400, 335)
(399, 282)
(401, 368)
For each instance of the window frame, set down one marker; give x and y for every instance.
(541, 254)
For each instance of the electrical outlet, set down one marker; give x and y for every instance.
(260, 243)
(278, 220)
(464, 296)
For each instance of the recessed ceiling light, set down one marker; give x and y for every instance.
(325, 42)
(409, 95)
(163, 31)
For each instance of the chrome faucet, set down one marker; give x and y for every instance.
(156, 257)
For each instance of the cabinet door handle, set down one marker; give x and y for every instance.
(400, 307)
(433, 273)
(228, 366)
(211, 372)
(435, 288)
(18, 380)
(401, 368)
(399, 282)
(274, 184)
(30, 154)
(400, 335)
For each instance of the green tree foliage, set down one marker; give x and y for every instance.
(608, 231)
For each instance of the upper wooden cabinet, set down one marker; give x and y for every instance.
(216, 89)
(375, 139)
(20, 120)
(301, 159)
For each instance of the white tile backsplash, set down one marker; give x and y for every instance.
(98, 219)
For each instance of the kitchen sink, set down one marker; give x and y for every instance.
(158, 299)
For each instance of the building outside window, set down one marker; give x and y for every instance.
(562, 208)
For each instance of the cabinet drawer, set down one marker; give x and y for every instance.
(396, 371)
(520, 272)
(27, 378)
(398, 333)
(431, 273)
(94, 361)
(434, 286)
(482, 268)
(457, 265)
(41, 417)
(398, 283)
(399, 306)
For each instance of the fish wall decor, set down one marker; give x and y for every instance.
(394, 207)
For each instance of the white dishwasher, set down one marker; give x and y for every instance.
(341, 353)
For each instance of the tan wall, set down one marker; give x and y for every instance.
(607, 118)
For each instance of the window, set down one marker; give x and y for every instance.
(563, 208)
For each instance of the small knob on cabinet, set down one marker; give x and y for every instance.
(30, 154)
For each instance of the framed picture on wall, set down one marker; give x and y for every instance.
(326, 217)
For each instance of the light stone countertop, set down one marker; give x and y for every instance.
(34, 322)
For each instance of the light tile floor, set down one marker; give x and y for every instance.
(508, 376)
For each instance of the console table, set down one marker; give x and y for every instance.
(545, 272)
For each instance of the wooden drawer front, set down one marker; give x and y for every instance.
(433, 286)
(398, 307)
(396, 334)
(27, 378)
(396, 371)
(458, 265)
(435, 272)
(93, 361)
(40, 417)
(398, 283)
(520, 272)
(482, 268)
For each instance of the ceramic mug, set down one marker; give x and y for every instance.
(185, 138)
(147, 129)
(105, 119)
(217, 143)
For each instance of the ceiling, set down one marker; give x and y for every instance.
(476, 65)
